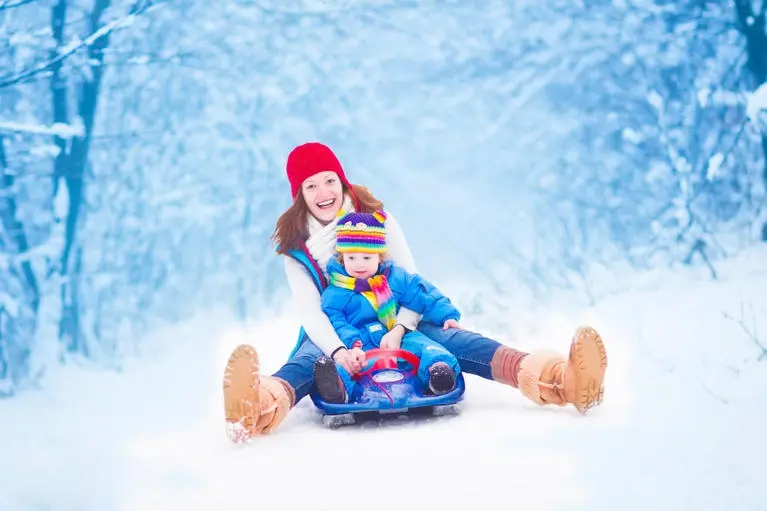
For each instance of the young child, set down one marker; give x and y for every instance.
(362, 302)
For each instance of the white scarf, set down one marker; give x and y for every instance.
(322, 238)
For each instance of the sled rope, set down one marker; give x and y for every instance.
(391, 399)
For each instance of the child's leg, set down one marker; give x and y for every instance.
(346, 379)
(438, 368)
(334, 383)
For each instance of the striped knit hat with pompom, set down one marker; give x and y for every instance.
(362, 232)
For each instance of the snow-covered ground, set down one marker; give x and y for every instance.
(682, 427)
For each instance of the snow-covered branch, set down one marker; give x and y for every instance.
(64, 131)
(756, 105)
(10, 4)
(74, 46)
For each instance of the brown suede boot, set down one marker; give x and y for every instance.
(253, 404)
(549, 378)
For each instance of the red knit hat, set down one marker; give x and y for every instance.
(309, 159)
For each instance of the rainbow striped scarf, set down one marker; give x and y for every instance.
(377, 291)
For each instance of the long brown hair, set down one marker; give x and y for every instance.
(291, 231)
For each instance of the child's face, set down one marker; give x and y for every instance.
(361, 265)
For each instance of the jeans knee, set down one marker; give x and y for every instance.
(305, 362)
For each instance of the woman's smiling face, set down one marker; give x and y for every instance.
(323, 194)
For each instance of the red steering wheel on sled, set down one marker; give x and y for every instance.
(386, 359)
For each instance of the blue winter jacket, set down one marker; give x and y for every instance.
(354, 318)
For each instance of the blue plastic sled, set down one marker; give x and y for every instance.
(388, 389)
(383, 389)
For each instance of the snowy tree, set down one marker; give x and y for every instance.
(659, 163)
(144, 146)
(69, 55)
(752, 22)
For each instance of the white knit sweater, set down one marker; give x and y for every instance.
(322, 246)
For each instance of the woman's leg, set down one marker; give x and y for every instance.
(255, 404)
(544, 377)
(298, 372)
(474, 352)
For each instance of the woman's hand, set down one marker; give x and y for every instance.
(358, 356)
(352, 360)
(451, 323)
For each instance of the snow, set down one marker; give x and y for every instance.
(61, 199)
(757, 102)
(714, 166)
(8, 304)
(703, 96)
(656, 100)
(681, 427)
(59, 129)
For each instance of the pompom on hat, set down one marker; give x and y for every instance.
(309, 159)
(362, 232)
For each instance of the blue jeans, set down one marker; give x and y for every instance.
(473, 351)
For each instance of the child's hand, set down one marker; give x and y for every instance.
(358, 356)
(391, 340)
(451, 323)
(348, 361)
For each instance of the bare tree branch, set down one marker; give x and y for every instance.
(8, 4)
(750, 332)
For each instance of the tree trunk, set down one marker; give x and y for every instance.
(764, 179)
(6, 382)
(15, 230)
(59, 91)
(18, 327)
(752, 26)
(70, 332)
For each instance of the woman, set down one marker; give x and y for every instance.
(256, 404)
